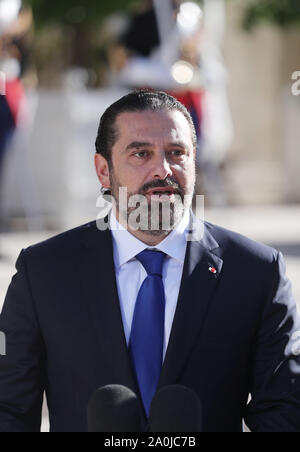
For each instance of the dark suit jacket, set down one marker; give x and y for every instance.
(234, 333)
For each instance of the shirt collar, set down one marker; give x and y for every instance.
(127, 246)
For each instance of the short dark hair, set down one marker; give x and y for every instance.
(139, 100)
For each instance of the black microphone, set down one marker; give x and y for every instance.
(115, 408)
(175, 408)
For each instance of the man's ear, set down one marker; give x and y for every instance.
(102, 170)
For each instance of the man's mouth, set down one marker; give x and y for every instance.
(161, 192)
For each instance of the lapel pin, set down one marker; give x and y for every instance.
(213, 270)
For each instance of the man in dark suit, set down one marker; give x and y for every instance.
(184, 303)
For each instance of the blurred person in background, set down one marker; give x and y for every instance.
(176, 46)
(144, 26)
(13, 96)
(14, 25)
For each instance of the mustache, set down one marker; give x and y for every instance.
(167, 183)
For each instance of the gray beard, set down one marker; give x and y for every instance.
(155, 219)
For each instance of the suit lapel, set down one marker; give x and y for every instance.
(197, 288)
(101, 296)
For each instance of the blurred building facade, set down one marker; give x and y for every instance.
(265, 159)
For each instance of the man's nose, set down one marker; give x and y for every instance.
(161, 167)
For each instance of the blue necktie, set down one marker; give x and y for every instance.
(147, 332)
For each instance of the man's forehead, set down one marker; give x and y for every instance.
(151, 123)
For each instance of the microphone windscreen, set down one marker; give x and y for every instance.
(115, 408)
(175, 408)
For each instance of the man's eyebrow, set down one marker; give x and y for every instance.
(179, 144)
(143, 144)
(138, 145)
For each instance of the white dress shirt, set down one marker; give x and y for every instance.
(130, 273)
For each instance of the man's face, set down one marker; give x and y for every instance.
(154, 156)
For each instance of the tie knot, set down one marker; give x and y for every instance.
(152, 261)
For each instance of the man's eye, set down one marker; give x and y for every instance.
(177, 153)
(141, 154)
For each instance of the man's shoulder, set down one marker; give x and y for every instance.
(66, 241)
(235, 244)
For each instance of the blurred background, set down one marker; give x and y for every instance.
(235, 64)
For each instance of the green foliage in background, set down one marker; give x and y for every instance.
(84, 13)
(75, 12)
(285, 13)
